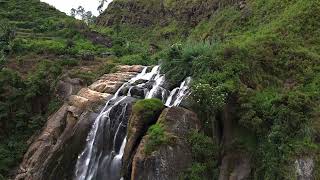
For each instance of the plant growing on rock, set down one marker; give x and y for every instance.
(156, 136)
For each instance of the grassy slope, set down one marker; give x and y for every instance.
(267, 56)
(41, 28)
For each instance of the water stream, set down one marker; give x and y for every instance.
(105, 143)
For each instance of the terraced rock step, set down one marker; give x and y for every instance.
(65, 132)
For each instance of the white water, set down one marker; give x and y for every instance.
(177, 94)
(101, 157)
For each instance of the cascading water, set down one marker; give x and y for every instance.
(177, 94)
(101, 158)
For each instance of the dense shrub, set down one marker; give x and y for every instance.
(19, 117)
(205, 158)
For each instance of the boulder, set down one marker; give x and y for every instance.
(169, 160)
(137, 92)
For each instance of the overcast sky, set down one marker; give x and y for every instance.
(66, 5)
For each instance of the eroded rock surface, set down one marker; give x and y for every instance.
(54, 152)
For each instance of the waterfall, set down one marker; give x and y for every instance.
(105, 143)
(177, 94)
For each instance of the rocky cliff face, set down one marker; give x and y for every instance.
(54, 152)
(154, 12)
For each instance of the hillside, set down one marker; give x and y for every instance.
(255, 65)
(40, 48)
(250, 109)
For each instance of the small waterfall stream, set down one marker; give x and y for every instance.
(105, 143)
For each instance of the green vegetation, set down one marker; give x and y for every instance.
(37, 45)
(267, 57)
(41, 29)
(6, 37)
(148, 108)
(20, 116)
(156, 136)
(262, 60)
(205, 157)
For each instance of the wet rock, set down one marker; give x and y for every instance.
(60, 161)
(149, 84)
(137, 92)
(140, 81)
(161, 93)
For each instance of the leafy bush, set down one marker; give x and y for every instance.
(205, 157)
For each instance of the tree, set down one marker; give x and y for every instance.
(89, 17)
(81, 12)
(73, 12)
(84, 15)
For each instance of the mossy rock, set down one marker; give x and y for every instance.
(148, 107)
(144, 113)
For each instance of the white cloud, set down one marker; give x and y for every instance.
(66, 5)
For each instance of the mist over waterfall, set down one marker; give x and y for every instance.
(105, 143)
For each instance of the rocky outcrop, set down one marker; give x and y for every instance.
(54, 152)
(97, 38)
(139, 122)
(168, 161)
(67, 86)
(148, 13)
